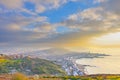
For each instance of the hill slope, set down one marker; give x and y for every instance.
(29, 66)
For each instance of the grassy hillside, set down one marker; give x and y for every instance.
(29, 66)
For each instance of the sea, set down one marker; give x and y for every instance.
(106, 65)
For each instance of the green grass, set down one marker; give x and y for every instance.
(37, 66)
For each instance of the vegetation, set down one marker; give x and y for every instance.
(19, 76)
(91, 77)
(45, 70)
(30, 66)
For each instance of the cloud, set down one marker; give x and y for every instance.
(12, 4)
(45, 27)
(35, 30)
(113, 6)
(90, 19)
(42, 6)
(18, 21)
(99, 1)
(90, 14)
(13, 29)
(89, 23)
(110, 40)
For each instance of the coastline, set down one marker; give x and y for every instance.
(80, 67)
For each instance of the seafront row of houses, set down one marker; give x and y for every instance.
(70, 66)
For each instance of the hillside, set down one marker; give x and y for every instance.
(29, 66)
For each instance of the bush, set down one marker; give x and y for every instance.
(19, 76)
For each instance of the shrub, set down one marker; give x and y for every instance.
(19, 76)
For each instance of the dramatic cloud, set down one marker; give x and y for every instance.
(99, 20)
(29, 22)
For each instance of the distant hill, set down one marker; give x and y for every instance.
(29, 66)
(60, 53)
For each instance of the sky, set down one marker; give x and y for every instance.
(73, 24)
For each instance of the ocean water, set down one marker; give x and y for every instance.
(106, 65)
